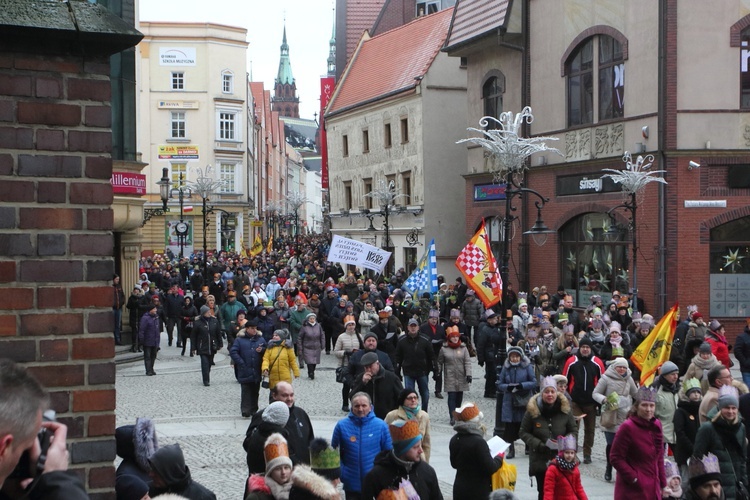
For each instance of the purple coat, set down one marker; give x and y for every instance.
(149, 332)
(638, 452)
(310, 342)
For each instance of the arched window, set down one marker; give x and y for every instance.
(591, 265)
(492, 95)
(745, 69)
(595, 70)
(730, 269)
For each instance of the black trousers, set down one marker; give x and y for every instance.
(171, 324)
(345, 390)
(206, 368)
(490, 377)
(249, 398)
(149, 356)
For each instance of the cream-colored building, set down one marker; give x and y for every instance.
(392, 120)
(193, 99)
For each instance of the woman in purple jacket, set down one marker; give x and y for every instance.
(637, 452)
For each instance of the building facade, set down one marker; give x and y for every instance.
(606, 78)
(193, 102)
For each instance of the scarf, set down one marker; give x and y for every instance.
(565, 465)
(674, 492)
(410, 414)
(452, 344)
(596, 337)
(615, 341)
(278, 491)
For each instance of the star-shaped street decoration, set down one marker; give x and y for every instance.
(733, 260)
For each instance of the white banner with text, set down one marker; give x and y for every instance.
(356, 253)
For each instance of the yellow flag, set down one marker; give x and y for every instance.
(478, 266)
(269, 247)
(257, 246)
(243, 251)
(656, 348)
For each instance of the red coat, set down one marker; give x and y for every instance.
(719, 347)
(562, 484)
(638, 453)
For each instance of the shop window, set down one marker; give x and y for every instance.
(729, 269)
(592, 265)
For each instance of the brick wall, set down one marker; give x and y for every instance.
(56, 244)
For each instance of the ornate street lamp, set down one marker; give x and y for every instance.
(205, 186)
(295, 200)
(633, 180)
(386, 195)
(163, 184)
(272, 208)
(509, 153)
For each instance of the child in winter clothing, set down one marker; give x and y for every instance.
(563, 479)
(276, 483)
(673, 489)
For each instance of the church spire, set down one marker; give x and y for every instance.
(285, 100)
(284, 75)
(332, 48)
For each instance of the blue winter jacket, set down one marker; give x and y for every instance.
(523, 374)
(359, 440)
(245, 357)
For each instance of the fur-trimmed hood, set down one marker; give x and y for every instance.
(137, 442)
(533, 405)
(306, 484)
(257, 482)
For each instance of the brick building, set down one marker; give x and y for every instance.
(606, 78)
(56, 220)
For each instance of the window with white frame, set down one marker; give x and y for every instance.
(228, 125)
(176, 170)
(177, 125)
(228, 177)
(178, 80)
(227, 82)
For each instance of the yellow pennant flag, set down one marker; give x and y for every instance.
(656, 348)
(479, 268)
(243, 251)
(269, 247)
(257, 246)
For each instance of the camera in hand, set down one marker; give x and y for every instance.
(25, 468)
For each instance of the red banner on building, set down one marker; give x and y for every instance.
(326, 90)
(128, 183)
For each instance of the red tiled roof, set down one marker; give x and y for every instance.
(360, 15)
(474, 18)
(389, 62)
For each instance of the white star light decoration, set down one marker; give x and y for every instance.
(505, 145)
(636, 175)
(733, 260)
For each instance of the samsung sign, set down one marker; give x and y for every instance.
(585, 184)
(489, 192)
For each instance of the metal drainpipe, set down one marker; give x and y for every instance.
(662, 277)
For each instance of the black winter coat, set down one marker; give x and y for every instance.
(383, 389)
(206, 336)
(255, 440)
(388, 472)
(742, 350)
(415, 356)
(470, 456)
(686, 423)
(490, 344)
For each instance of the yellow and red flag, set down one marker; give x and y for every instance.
(479, 268)
(257, 246)
(269, 247)
(656, 348)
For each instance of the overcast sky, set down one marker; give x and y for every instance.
(308, 30)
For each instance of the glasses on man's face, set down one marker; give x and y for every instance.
(412, 397)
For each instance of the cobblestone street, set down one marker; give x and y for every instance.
(206, 421)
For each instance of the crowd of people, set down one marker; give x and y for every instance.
(554, 368)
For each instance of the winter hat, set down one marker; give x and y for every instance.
(563, 316)
(413, 322)
(283, 333)
(383, 314)
(697, 316)
(276, 451)
(620, 362)
(565, 443)
(714, 325)
(559, 378)
(452, 332)
(242, 312)
(645, 394)
(311, 314)
(671, 470)
(690, 385)
(705, 347)
(636, 317)
(370, 334)
(130, 486)
(517, 350)
(489, 314)
(368, 359)
(470, 293)
(350, 319)
(204, 310)
(531, 333)
(434, 313)
(668, 367)
(584, 341)
(404, 435)
(324, 460)
(597, 324)
(702, 470)
(455, 313)
(468, 412)
(276, 413)
(549, 382)
(615, 326)
(728, 396)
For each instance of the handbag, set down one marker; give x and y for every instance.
(266, 381)
(609, 418)
(505, 477)
(341, 372)
(520, 399)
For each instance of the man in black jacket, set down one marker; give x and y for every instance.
(205, 340)
(490, 350)
(415, 359)
(382, 385)
(173, 303)
(170, 475)
(435, 333)
(370, 344)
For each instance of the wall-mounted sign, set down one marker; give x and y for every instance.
(178, 105)
(585, 184)
(128, 183)
(256, 223)
(489, 192)
(178, 152)
(705, 203)
(176, 56)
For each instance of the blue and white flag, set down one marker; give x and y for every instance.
(424, 277)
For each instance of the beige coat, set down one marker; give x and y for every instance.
(455, 364)
(346, 344)
(611, 382)
(424, 427)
